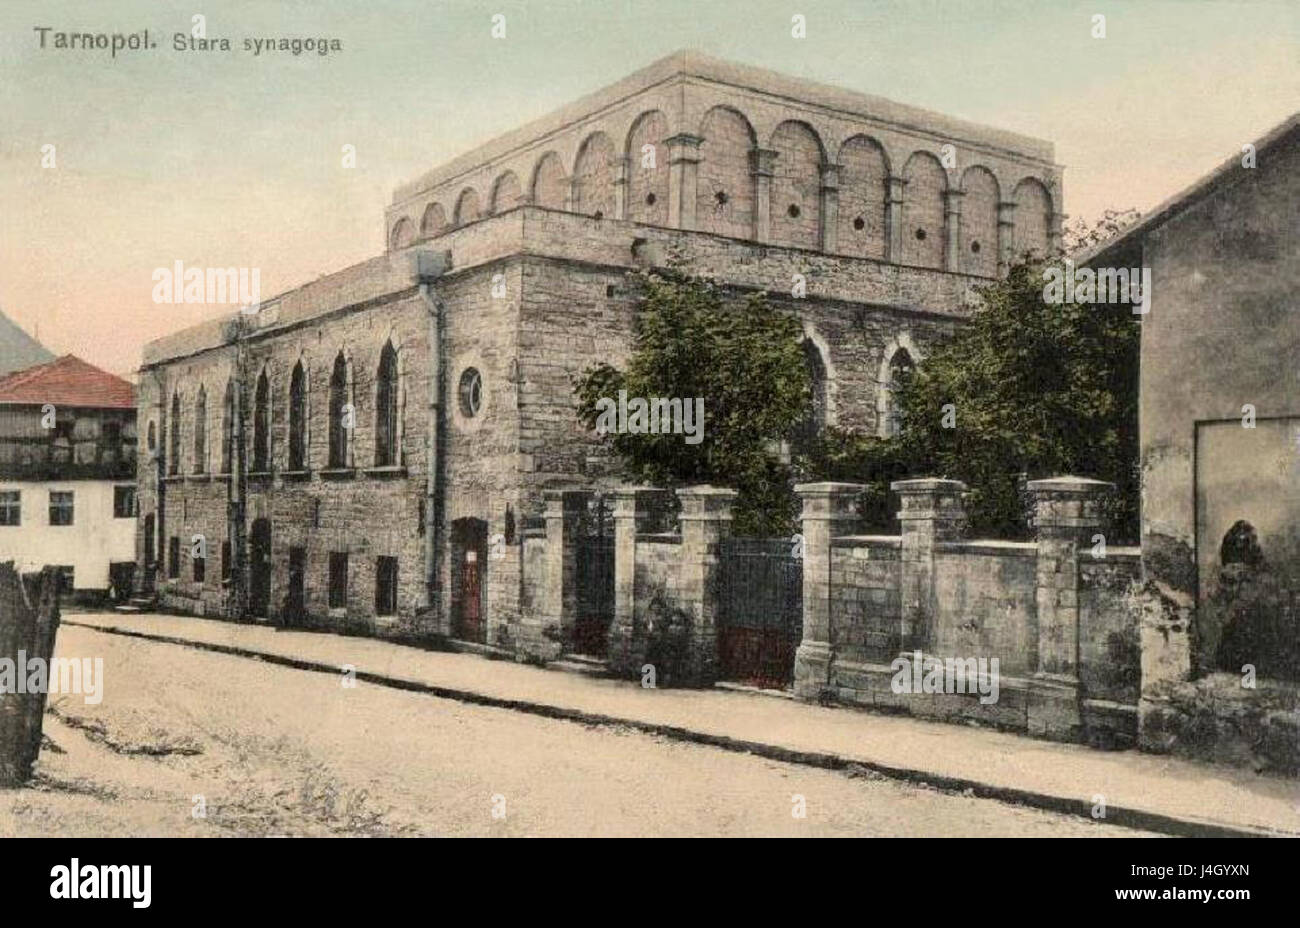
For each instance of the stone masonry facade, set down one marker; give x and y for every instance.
(453, 355)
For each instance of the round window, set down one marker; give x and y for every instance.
(793, 211)
(471, 392)
(859, 224)
(920, 235)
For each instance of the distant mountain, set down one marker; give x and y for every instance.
(18, 349)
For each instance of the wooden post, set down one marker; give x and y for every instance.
(29, 619)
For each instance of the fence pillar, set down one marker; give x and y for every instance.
(829, 509)
(930, 510)
(706, 521)
(1067, 513)
(565, 510)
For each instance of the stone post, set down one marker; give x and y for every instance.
(706, 520)
(565, 510)
(830, 207)
(762, 162)
(894, 187)
(930, 510)
(952, 229)
(1067, 513)
(828, 510)
(683, 177)
(1006, 236)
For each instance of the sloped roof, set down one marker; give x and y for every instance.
(1227, 172)
(18, 349)
(67, 381)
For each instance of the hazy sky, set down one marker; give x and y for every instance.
(233, 160)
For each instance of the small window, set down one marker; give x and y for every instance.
(386, 586)
(649, 199)
(67, 578)
(225, 561)
(173, 558)
(339, 579)
(975, 247)
(152, 439)
(123, 502)
(793, 211)
(859, 224)
(722, 198)
(200, 568)
(920, 235)
(61, 507)
(11, 507)
(471, 392)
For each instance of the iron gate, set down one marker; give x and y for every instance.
(594, 578)
(761, 614)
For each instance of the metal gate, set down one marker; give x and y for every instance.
(761, 614)
(594, 579)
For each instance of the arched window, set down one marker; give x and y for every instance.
(174, 449)
(901, 367)
(262, 425)
(386, 408)
(227, 426)
(201, 432)
(298, 418)
(340, 422)
(814, 420)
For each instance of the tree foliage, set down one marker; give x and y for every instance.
(692, 338)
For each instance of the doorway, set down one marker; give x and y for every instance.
(295, 607)
(469, 539)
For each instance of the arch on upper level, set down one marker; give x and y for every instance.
(977, 245)
(1033, 217)
(549, 186)
(647, 169)
(402, 234)
(593, 176)
(433, 221)
(796, 205)
(506, 191)
(864, 188)
(725, 181)
(926, 183)
(468, 207)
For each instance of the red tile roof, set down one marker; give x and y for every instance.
(67, 381)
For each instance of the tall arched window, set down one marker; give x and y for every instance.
(901, 367)
(386, 408)
(262, 425)
(814, 419)
(298, 418)
(227, 426)
(174, 449)
(338, 427)
(201, 432)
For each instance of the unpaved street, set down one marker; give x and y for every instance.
(260, 749)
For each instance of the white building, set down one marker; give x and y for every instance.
(67, 474)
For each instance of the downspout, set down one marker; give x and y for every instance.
(160, 473)
(428, 267)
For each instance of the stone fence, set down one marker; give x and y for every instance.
(1052, 612)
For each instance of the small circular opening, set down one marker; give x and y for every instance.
(920, 235)
(793, 211)
(650, 199)
(975, 247)
(859, 224)
(721, 197)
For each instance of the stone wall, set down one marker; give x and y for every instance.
(1053, 615)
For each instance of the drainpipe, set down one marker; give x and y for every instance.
(160, 473)
(429, 266)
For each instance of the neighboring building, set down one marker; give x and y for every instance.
(18, 349)
(1220, 432)
(364, 450)
(67, 474)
